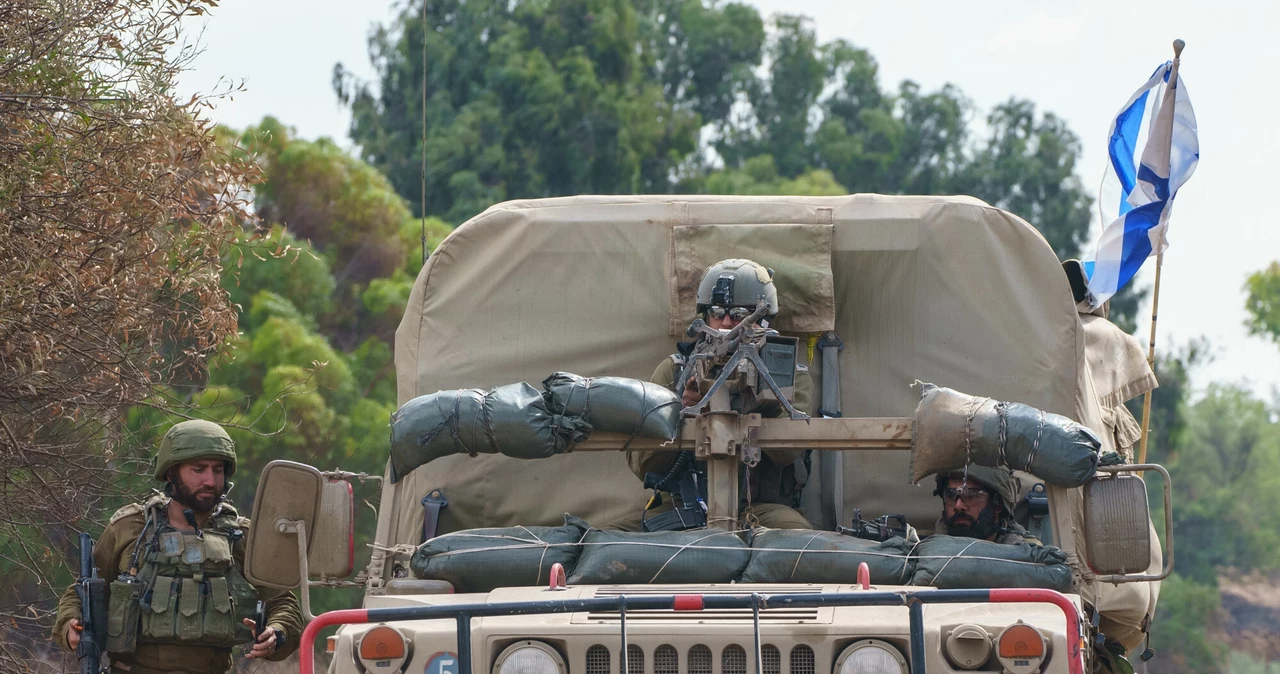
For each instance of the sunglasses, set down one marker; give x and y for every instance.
(970, 495)
(736, 313)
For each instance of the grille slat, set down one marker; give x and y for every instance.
(733, 660)
(635, 660)
(666, 660)
(599, 660)
(700, 660)
(802, 660)
(770, 659)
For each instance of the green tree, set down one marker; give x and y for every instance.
(1263, 303)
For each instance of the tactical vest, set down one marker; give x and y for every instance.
(188, 590)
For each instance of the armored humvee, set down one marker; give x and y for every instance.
(881, 291)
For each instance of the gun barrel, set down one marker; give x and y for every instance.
(86, 556)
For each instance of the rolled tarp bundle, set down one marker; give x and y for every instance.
(513, 420)
(616, 404)
(954, 429)
(479, 560)
(825, 557)
(519, 421)
(956, 563)
(693, 556)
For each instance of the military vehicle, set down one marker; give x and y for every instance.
(881, 291)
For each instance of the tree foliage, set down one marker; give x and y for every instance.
(534, 99)
(1263, 302)
(116, 206)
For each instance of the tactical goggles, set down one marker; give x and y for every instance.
(736, 313)
(970, 495)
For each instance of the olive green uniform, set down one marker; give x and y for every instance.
(772, 482)
(112, 554)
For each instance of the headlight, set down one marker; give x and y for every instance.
(529, 657)
(871, 656)
(383, 650)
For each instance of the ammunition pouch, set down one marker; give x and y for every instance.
(123, 614)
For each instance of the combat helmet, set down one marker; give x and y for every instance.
(1000, 480)
(194, 439)
(737, 283)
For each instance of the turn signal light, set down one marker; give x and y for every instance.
(1021, 641)
(383, 650)
(1021, 649)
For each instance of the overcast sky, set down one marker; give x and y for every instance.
(1080, 60)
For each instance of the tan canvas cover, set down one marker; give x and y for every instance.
(942, 289)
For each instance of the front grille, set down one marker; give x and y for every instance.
(599, 660)
(666, 660)
(733, 660)
(699, 660)
(802, 660)
(770, 659)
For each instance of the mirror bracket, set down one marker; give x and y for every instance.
(299, 529)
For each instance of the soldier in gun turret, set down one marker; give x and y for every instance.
(728, 293)
(178, 599)
(978, 503)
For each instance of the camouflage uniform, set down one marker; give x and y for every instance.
(218, 552)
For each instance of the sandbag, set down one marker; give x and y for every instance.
(616, 404)
(512, 420)
(479, 560)
(953, 429)
(952, 563)
(695, 556)
(805, 556)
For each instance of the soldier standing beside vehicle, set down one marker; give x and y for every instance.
(178, 599)
(728, 293)
(978, 503)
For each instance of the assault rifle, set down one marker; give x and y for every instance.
(92, 592)
(880, 529)
(752, 362)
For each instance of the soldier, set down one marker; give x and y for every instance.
(727, 294)
(979, 504)
(178, 599)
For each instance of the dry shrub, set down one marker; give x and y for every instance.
(116, 204)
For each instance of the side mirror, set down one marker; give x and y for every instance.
(285, 511)
(333, 540)
(1117, 524)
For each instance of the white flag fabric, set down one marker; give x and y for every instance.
(1142, 180)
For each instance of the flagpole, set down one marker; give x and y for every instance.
(1155, 293)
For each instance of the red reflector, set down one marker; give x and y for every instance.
(382, 643)
(688, 602)
(1021, 641)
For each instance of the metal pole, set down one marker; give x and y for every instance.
(464, 643)
(1155, 293)
(623, 665)
(916, 609)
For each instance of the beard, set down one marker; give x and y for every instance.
(986, 525)
(202, 501)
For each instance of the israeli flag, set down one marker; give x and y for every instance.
(1142, 180)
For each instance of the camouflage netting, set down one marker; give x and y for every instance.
(694, 556)
(950, 563)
